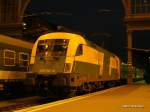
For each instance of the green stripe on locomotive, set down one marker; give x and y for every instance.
(49, 65)
(85, 68)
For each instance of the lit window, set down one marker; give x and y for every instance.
(9, 57)
(23, 59)
(140, 6)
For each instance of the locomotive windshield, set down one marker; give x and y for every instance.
(52, 47)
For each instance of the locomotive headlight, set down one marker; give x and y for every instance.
(67, 67)
(46, 53)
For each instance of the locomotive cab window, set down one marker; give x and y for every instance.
(60, 47)
(52, 47)
(79, 50)
(41, 46)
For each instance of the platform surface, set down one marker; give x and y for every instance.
(128, 98)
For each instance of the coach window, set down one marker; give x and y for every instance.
(79, 50)
(23, 59)
(9, 57)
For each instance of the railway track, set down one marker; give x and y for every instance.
(16, 104)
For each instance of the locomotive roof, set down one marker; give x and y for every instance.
(99, 47)
(76, 37)
(15, 42)
(59, 35)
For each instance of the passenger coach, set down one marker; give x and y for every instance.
(14, 60)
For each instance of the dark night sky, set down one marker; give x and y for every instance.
(89, 17)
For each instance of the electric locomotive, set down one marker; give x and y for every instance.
(66, 63)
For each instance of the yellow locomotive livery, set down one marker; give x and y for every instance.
(69, 61)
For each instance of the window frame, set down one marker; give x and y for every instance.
(52, 46)
(22, 60)
(79, 53)
(7, 50)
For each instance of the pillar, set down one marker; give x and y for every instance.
(130, 67)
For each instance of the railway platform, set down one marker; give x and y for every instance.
(127, 98)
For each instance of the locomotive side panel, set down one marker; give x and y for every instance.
(111, 67)
(114, 68)
(92, 65)
(105, 75)
(85, 68)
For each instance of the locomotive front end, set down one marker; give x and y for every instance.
(48, 66)
(52, 62)
(50, 56)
